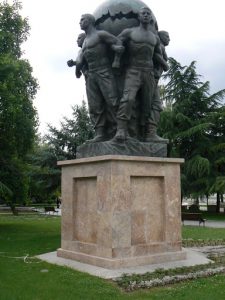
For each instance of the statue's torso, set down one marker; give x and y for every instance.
(95, 52)
(141, 47)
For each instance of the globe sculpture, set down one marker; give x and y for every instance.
(116, 15)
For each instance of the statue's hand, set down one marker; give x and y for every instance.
(85, 73)
(165, 67)
(71, 63)
(78, 73)
(118, 48)
(116, 64)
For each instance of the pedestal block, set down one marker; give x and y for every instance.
(121, 211)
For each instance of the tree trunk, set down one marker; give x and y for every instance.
(217, 202)
(197, 201)
(13, 209)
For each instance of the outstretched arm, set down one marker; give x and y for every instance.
(71, 63)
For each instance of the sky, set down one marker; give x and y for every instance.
(196, 28)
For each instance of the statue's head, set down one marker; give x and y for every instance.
(164, 37)
(80, 39)
(145, 15)
(86, 20)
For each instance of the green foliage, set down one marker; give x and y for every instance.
(18, 117)
(197, 166)
(5, 192)
(44, 174)
(73, 133)
(194, 122)
(194, 209)
(14, 29)
(218, 185)
(59, 144)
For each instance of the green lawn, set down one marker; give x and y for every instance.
(30, 278)
(204, 233)
(213, 216)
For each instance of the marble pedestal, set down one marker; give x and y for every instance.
(121, 211)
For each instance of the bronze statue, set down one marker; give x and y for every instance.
(122, 74)
(100, 82)
(142, 45)
(80, 40)
(156, 108)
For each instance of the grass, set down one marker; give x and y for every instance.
(36, 280)
(201, 232)
(197, 236)
(213, 216)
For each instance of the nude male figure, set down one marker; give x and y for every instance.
(100, 83)
(142, 44)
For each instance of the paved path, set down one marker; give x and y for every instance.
(210, 250)
(208, 223)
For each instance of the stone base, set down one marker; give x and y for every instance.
(122, 262)
(130, 147)
(193, 258)
(121, 211)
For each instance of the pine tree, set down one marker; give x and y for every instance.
(73, 132)
(189, 121)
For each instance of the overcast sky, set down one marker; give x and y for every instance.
(196, 28)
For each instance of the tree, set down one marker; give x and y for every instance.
(73, 133)
(18, 117)
(193, 122)
(217, 159)
(59, 144)
(44, 174)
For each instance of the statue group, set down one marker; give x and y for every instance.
(122, 74)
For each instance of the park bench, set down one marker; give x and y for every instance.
(193, 217)
(49, 209)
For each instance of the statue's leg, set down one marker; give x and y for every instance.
(96, 107)
(153, 120)
(145, 98)
(124, 114)
(107, 85)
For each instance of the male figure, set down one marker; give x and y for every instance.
(156, 108)
(80, 40)
(100, 83)
(142, 44)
